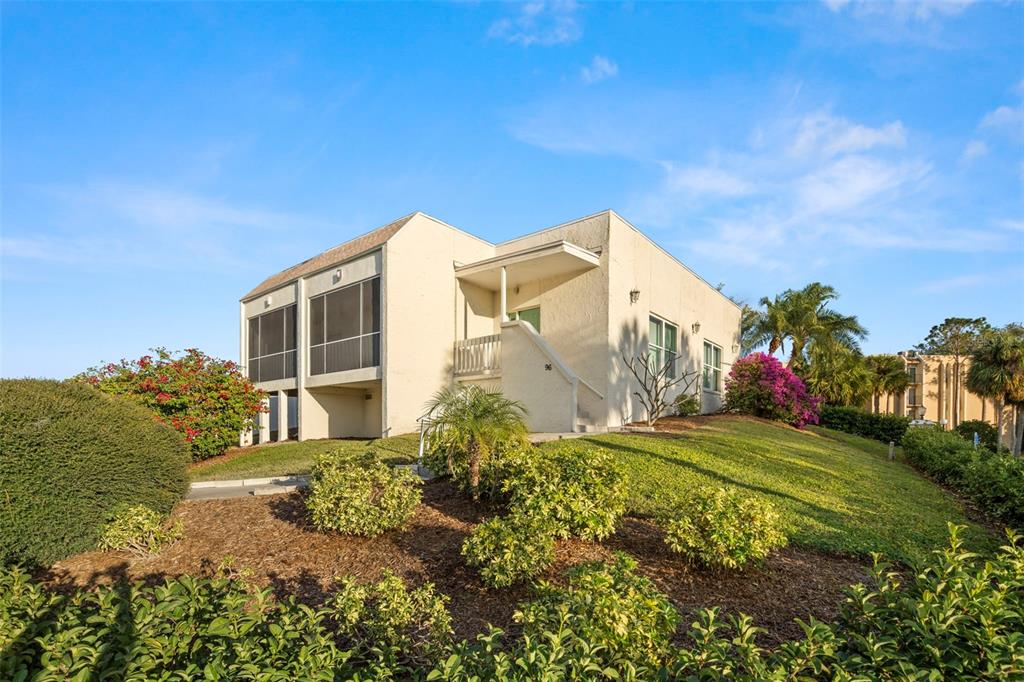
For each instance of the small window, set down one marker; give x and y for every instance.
(531, 315)
(661, 344)
(712, 367)
(912, 373)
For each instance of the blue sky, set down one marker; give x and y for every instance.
(160, 160)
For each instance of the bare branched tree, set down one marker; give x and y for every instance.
(655, 383)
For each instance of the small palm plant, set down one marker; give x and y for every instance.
(469, 423)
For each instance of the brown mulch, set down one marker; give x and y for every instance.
(270, 536)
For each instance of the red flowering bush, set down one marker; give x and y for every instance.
(209, 401)
(762, 386)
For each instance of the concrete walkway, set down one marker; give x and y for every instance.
(257, 487)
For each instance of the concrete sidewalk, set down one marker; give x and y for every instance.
(223, 490)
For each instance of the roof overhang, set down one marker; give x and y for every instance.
(553, 259)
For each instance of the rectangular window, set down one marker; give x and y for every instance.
(912, 396)
(712, 367)
(272, 345)
(344, 328)
(531, 315)
(661, 344)
(912, 373)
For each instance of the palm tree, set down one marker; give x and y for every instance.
(772, 327)
(809, 321)
(472, 422)
(838, 375)
(889, 376)
(997, 372)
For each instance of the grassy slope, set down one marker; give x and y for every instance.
(276, 459)
(835, 492)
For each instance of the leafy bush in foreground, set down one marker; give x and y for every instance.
(609, 606)
(360, 495)
(70, 455)
(209, 401)
(994, 481)
(511, 548)
(138, 529)
(762, 386)
(579, 488)
(881, 427)
(959, 616)
(725, 529)
(403, 626)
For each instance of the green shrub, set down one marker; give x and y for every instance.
(725, 529)
(209, 401)
(579, 488)
(138, 529)
(407, 627)
(510, 548)
(881, 427)
(606, 605)
(358, 494)
(987, 433)
(994, 481)
(686, 404)
(70, 455)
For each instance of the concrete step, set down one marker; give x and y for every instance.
(584, 427)
(274, 490)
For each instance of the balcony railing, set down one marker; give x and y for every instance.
(480, 355)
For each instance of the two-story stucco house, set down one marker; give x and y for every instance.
(355, 341)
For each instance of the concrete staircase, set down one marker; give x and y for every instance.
(585, 423)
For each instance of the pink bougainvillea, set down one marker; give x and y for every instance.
(762, 386)
(209, 401)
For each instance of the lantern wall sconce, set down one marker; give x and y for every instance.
(634, 295)
(267, 301)
(337, 275)
(695, 327)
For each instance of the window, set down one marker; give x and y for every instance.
(344, 328)
(272, 345)
(661, 344)
(531, 315)
(912, 396)
(912, 373)
(712, 367)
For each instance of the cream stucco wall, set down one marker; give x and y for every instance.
(672, 292)
(421, 299)
(546, 390)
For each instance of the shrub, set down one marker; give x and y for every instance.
(686, 404)
(358, 494)
(760, 385)
(69, 456)
(607, 605)
(579, 488)
(987, 433)
(387, 619)
(994, 481)
(725, 529)
(138, 529)
(511, 548)
(207, 400)
(882, 427)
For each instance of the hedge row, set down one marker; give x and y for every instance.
(994, 482)
(959, 617)
(883, 427)
(69, 457)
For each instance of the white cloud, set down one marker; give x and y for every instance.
(1011, 224)
(901, 10)
(540, 23)
(971, 281)
(975, 149)
(705, 180)
(829, 135)
(600, 68)
(852, 182)
(1005, 119)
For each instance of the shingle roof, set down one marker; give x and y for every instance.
(332, 256)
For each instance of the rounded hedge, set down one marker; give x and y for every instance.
(70, 455)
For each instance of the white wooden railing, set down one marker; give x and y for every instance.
(480, 355)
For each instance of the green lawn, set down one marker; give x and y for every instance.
(835, 492)
(292, 457)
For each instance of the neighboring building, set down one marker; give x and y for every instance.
(356, 340)
(930, 395)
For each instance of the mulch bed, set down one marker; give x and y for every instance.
(271, 537)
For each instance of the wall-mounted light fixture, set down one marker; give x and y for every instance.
(735, 348)
(337, 275)
(634, 295)
(517, 289)
(267, 301)
(695, 327)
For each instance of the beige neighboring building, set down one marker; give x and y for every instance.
(355, 341)
(931, 391)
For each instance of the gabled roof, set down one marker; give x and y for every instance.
(332, 256)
